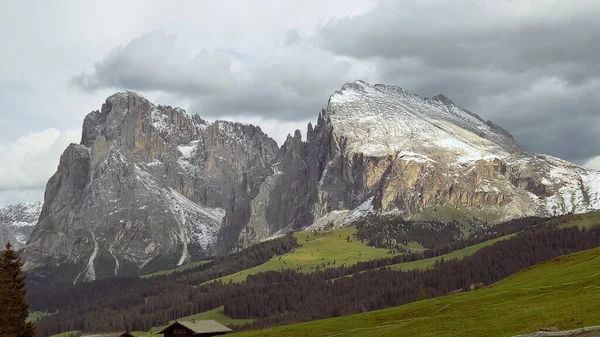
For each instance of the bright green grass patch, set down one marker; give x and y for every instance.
(175, 270)
(215, 314)
(35, 316)
(457, 254)
(324, 249)
(67, 334)
(563, 293)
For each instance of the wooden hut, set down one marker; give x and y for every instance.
(195, 328)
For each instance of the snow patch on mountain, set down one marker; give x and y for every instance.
(199, 224)
(342, 218)
(578, 189)
(361, 211)
(89, 271)
(188, 152)
(160, 120)
(411, 156)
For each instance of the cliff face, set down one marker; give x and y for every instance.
(147, 188)
(151, 187)
(381, 149)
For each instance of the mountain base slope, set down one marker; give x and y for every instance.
(562, 293)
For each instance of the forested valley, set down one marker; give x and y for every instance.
(284, 296)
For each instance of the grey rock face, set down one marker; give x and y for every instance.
(147, 188)
(17, 222)
(592, 331)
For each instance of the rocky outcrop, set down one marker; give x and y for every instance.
(17, 223)
(592, 331)
(147, 188)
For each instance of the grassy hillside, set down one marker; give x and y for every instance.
(457, 254)
(563, 293)
(174, 270)
(216, 314)
(68, 334)
(586, 220)
(35, 316)
(320, 250)
(331, 248)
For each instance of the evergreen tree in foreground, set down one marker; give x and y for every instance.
(13, 308)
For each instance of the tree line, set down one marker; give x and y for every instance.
(389, 231)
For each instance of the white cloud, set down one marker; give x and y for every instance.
(14, 197)
(593, 163)
(31, 160)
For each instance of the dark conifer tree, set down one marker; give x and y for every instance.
(13, 307)
(422, 293)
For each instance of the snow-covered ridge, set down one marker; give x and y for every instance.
(380, 120)
(17, 222)
(233, 131)
(22, 212)
(573, 188)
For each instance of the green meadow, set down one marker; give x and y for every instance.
(562, 293)
(320, 250)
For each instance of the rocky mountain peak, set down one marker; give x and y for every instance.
(443, 99)
(17, 222)
(148, 187)
(128, 114)
(383, 119)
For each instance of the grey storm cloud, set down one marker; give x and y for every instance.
(530, 66)
(294, 85)
(290, 84)
(152, 62)
(474, 35)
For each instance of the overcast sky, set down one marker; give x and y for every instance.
(529, 66)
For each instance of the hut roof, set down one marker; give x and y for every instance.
(200, 326)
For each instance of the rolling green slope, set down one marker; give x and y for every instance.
(563, 293)
(320, 250)
(457, 254)
(331, 248)
(175, 270)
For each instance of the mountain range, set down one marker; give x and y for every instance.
(17, 223)
(150, 186)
